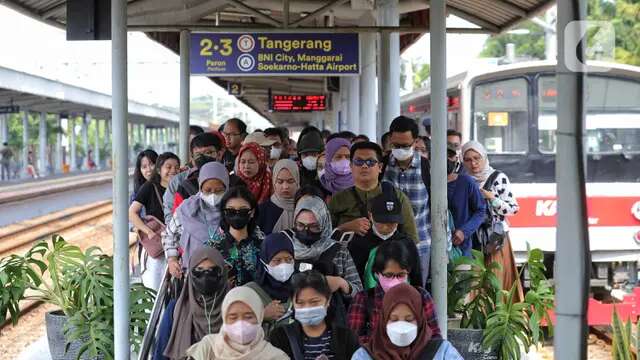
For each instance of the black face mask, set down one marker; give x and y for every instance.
(451, 166)
(237, 219)
(307, 237)
(207, 282)
(200, 160)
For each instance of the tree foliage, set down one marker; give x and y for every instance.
(529, 46)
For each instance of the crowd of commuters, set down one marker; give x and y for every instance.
(310, 250)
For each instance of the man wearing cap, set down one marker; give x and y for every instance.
(385, 217)
(310, 146)
(350, 208)
(466, 203)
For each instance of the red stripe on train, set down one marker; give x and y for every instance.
(603, 211)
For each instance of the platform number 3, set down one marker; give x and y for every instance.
(207, 47)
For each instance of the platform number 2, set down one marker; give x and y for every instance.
(207, 47)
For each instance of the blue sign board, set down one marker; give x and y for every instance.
(274, 54)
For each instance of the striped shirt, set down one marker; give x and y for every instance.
(315, 347)
(410, 182)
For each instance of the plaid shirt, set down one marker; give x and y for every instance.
(410, 182)
(361, 320)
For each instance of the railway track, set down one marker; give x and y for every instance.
(25, 233)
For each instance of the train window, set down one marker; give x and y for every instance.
(613, 115)
(501, 116)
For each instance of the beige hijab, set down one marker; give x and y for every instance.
(217, 347)
(285, 221)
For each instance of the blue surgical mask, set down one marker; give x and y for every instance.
(311, 316)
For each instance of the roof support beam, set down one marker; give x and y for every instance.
(53, 9)
(257, 13)
(190, 12)
(321, 30)
(319, 12)
(472, 18)
(511, 7)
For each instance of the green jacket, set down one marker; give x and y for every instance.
(344, 208)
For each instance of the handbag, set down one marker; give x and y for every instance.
(489, 237)
(153, 246)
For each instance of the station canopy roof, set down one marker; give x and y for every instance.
(35, 93)
(161, 19)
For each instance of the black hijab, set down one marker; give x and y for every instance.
(271, 245)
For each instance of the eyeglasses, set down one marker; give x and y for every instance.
(314, 228)
(226, 134)
(237, 212)
(399, 275)
(210, 153)
(401, 146)
(475, 159)
(368, 162)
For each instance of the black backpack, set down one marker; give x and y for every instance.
(488, 238)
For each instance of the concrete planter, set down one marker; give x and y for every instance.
(55, 322)
(468, 342)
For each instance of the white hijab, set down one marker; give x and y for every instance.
(217, 347)
(487, 170)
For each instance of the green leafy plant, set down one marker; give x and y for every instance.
(476, 293)
(479, 283)
(17, 274)
(81, 285)
(623, 339)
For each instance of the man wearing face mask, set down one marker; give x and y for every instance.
(466, 203)
(204, 147)
(385, 216)
(409, 172)
(310, 146)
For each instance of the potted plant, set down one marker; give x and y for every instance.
(492, 325)
(80, 284)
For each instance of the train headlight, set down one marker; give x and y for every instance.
(635, 210)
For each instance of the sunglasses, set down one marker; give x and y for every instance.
(368, 162)
(314, 228)
(200, 272)
(237, 212)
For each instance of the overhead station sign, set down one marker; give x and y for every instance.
(256, 54)
(294, 103)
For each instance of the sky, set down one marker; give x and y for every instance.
(153, 71)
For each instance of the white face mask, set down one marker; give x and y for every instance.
(310, 162)
(280, 272)
(402, 333)
(382, 236)
(402, 154)
(211, 199)
(275, 153)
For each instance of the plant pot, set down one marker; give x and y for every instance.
(468, 342)
(55, 322)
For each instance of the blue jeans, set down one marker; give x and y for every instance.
(424, 253)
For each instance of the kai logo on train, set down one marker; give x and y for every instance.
(274, 54)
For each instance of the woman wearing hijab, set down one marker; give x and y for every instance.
(196, 313)
(403, 333)
(314, 247)
(337, 174)
(197, 218)
(496, 189)
(273, 277)
(276, 214)
(251, 167)
(241, 336)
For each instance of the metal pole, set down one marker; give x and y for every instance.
(85, 140)
(58, 147)
(353, 103)
(185, 39)
(120, 163)
(25, 141)
(96, 145)
(4, 119)
(389, 76)
(438, 38)
(367, 90)
(573, 258)
(71, 128)
(42, 144)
